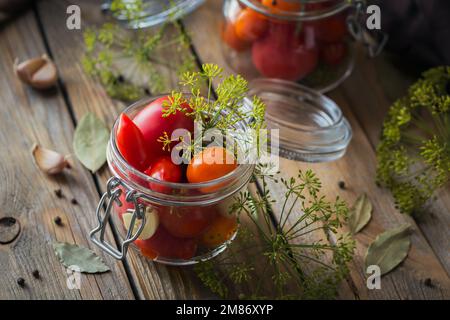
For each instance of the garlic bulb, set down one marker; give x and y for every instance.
(152, 222)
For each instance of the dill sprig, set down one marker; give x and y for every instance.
(414, 151)
(221, 109)
(267, 262)
(126, 62)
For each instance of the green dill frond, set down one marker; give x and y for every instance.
(135, 58)
(130, 9)
(223, 111)
(284, 262)
(206, 272)
(414, 152)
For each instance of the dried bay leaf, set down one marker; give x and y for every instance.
(84, 259)
(360, 214)
(389, 248)
(90, 141)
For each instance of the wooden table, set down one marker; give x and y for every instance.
(28, 116)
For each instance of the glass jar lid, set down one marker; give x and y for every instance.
(155, 12)
(311, 126)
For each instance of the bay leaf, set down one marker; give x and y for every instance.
(84, 259)
(389, 248)
(90, 141)
(360, 214)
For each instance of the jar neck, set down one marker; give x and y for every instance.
(302, 15)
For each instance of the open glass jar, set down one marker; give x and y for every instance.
(295, 40)
(152, 12)
(172, 223)
(184, 223)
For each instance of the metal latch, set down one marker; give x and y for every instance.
(114, 189)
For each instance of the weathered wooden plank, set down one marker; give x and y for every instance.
(379, 83)
(153, 281)
(208, 18)
(357, 169)
(27, 117)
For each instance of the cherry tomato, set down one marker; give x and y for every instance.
(282, 54)
(332, 29)
(221, 230)
(282, 5)
(251, 25)
(132, 144)
(163, 244)
(188, 222)
(333, 53)
(230, 37)
(153, 125)
(210, 164)
(165, 170)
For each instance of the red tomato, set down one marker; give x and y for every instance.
(333, 53)
(251, 25)
(186, 222)
(332, 29)
(210, 164)
(221, 230)
(132, 144)
(230, 37)
(125, 205)
(165, 170)
(282, 5)
(282, 54)
(153, 125)
(164, 245)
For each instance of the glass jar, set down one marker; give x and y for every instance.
(153, 12)
(172, 223)
(295, 40)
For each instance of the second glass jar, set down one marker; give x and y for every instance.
(305, 41)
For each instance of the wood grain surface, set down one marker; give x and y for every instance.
(357, 169)
(48, 118)
(28, 117)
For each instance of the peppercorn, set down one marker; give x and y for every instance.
(21, 282)
(341, 184)
(58, 193)
(58, 220)
(428, 283)
(74, 201)
(36, 274)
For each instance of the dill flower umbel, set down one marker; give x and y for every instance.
(414, 151)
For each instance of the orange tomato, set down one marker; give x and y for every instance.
(230, 37)
(221, 230)
(251, 25)
(210, 164)
(282, 5)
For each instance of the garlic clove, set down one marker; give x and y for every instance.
(49, 161)
(27, 68)
(152, 222)
(40, 73)
(45, 77)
